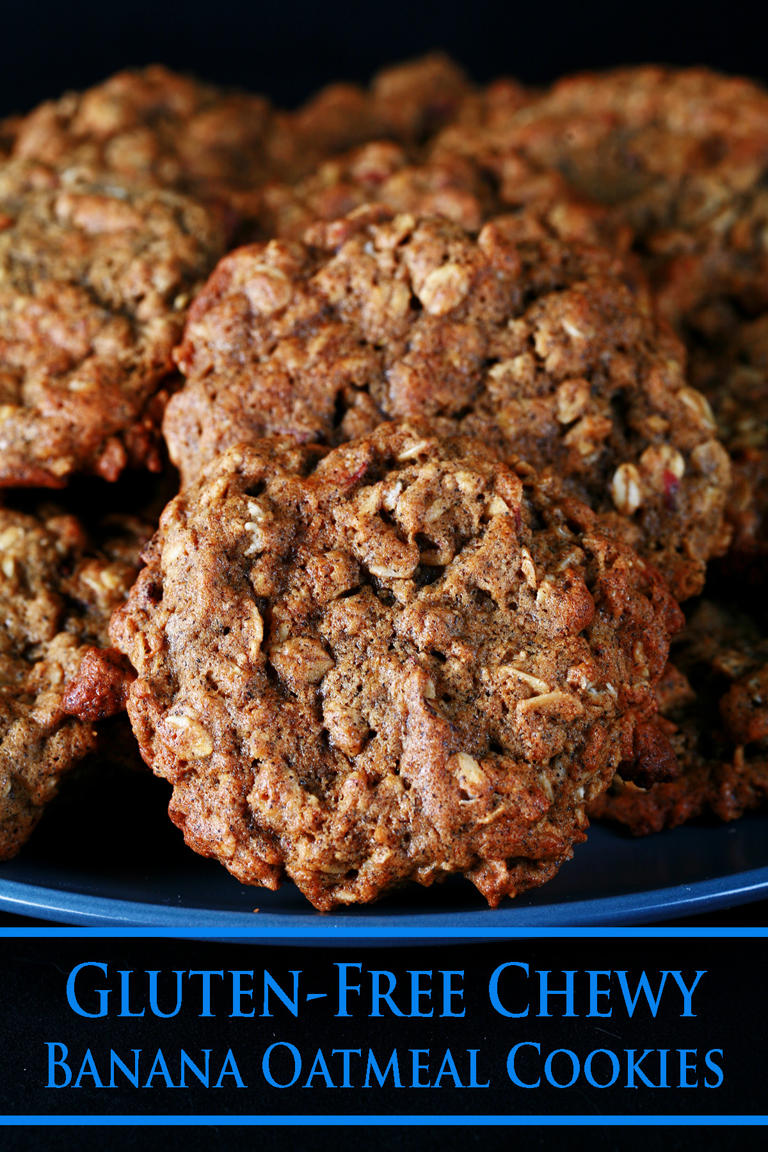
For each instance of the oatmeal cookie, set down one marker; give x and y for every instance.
(378, 172)
(390, 661)
(680, 156)
(546, 350)
(642, 139)
(95, 279)
(406, 103)
(464, 189)
(714, 705)
(736, 380)
(58, 588)
(158, 127)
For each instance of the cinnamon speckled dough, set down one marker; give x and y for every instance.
(159, 127)
(714, 702)
(396, 662)
(681, 156)
(57, 591)
(622, 132)
(545, 349)
(672, 150)
(378, 172)
(95, 279)
(460, 188)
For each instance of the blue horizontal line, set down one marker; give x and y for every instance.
(349, 932)
(364, 1120)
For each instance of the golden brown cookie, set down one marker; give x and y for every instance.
(378, 172)
(681, 156)
(392, 661)
(544, 349)
(406, 103)
(58, 587)
(95, 279)
(464, 189)
(158, 127)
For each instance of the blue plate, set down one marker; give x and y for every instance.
(108, 856)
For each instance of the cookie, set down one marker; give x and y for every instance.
(736, 380)
(680, 156)
(158, 127)
(416, 98)
(406, 103)
(392, 661)
(58, 588)
(546, 350)
(714, 705)
(95, 279)
(380, 172)
(463, 189)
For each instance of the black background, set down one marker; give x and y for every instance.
(33, 976)
(289, 48)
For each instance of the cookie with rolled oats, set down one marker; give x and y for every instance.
(671, 150)
(546, 349)
(736, 380)
(464, 189)
(406, 103)
(95, 279)
(380, 172)
(387, 662)
(158, 127)
(681, 156)
(58, 587)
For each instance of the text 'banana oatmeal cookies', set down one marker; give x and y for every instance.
(58, 587)
(545, 349)
(95, 279)
(388, 662)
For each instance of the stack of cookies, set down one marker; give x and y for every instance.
(452, 396)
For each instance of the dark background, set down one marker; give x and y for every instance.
(287, 49)
(33, 975)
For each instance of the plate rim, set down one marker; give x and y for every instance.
(62, 906)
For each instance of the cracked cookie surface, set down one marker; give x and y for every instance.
(388, 662)
(156, 126)
(547, 350)
(406, 103)
(95, 278)
(460, 188)
(681, 156)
